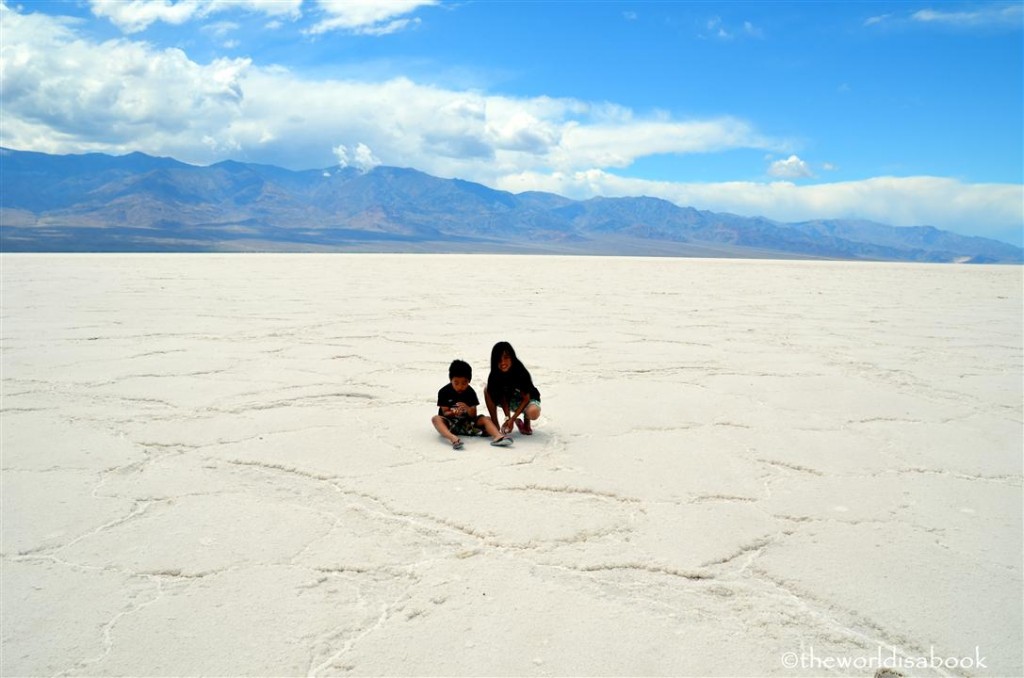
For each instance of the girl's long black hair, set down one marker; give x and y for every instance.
(500, 384)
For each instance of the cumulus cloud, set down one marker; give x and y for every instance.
(367, 17)
(61, 91)
(133, 16)
(362, 158)
(341, 152)
(790, 168)
(137, 15)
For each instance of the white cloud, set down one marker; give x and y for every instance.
(61, 92)
(790, 168)
(876, 20)
(285, 8)
(987, 16)
(133, 16)
(367, 17)
(137, 15)
(341, 152)
(620, 143)
(716, 28)
(362, 158)
(220, 29)
(1006, 15)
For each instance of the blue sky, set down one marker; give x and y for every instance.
(901, 112)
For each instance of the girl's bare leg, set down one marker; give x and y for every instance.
(531, 413)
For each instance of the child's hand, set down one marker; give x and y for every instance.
(507, 426)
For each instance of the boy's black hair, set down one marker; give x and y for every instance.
(460, 368)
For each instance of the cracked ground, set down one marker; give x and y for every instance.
(224, 465)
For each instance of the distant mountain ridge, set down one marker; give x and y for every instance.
(137, 202)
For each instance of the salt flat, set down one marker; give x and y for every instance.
(224, 465)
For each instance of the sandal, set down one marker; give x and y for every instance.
(503, 441)
(457, 445)
(524, 428)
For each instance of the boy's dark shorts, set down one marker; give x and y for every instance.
(464, 426)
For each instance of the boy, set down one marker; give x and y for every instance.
(456, 409)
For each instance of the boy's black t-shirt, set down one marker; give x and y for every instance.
(448, 397)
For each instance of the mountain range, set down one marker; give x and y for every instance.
(140, 203)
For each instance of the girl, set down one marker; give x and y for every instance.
(510, 386)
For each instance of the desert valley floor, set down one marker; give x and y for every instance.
(224, 465)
